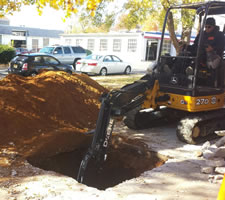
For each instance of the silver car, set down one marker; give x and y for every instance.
(103, 65)
(65, 54)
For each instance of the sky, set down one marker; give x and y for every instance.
(28, 16)
(50, 18)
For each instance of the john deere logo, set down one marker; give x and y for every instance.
(213, 100)
(174, 80)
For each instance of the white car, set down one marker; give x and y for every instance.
(103, 65)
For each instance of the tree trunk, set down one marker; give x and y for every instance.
(173, 37)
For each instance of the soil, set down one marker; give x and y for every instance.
(44, 115)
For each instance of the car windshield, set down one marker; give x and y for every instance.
(47, 50)
(93, 57)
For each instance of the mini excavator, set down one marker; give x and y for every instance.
(178, 87)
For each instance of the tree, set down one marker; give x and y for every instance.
(136, 12)
(187, 17)
(93, 17)
(69, 6)
(101, 22)
(150, 15)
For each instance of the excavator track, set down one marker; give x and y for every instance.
(192, 128)
(130, 118)
(200, 127)
(136, 119)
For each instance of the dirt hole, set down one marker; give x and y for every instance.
(127, 159)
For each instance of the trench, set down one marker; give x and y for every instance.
(126, 159)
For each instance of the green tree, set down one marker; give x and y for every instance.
(101, 22)
(150, 15)
(187, 17)
(93, 17)
(137, 12)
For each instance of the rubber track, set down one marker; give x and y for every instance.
(130, 119)
(214, 120)
(142, 120)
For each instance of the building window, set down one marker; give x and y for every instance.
(132, 45)
(166, 47)
(45, 42)
(35, 44)
(117, 45)
(103, 45)
(19, 33)
(68, 41)
(78, 42)
(91, 44)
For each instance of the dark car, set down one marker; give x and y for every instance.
(31, 64)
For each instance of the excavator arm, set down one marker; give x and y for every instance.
(113, 105)
(101, 137)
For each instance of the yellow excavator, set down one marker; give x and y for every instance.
(179, 87)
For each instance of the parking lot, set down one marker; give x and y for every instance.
(137, 68)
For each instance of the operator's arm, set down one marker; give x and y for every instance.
(193, 48)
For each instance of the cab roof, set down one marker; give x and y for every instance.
(215, 7)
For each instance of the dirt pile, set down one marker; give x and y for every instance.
(46, 114)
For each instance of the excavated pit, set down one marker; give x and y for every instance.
(127, 159)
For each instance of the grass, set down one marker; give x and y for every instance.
(116, 81)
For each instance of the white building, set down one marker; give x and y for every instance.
(30, 38)
(139, 46)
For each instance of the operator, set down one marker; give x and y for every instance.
(211, 54)
(214, 42)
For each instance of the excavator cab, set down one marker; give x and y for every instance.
(185, 72)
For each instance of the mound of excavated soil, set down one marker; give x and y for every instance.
(46, 114)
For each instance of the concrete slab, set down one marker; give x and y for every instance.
(179, 178)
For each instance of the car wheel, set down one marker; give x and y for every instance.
(127, 70)
(103, 72)
(74, 63)
(33, 74)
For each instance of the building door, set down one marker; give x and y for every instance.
(19, 43)
(151, 50)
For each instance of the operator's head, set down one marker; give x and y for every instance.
(210, 24)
